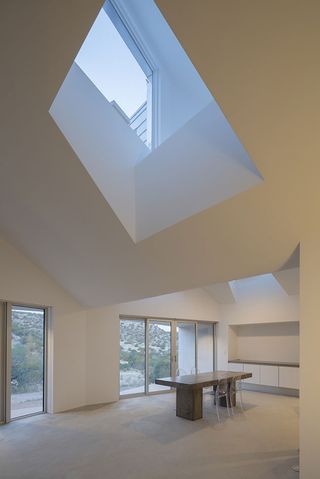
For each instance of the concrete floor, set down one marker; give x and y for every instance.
(142, 438)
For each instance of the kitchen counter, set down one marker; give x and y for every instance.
(265, 363)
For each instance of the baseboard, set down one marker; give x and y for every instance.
(271, 389)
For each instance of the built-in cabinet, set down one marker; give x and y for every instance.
(269, 351)
(288, 377)
(269, 374)
(254, 369)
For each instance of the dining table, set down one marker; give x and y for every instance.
(189, 390)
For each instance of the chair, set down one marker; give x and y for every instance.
(236, 387)
(181, 372)
(222, 391)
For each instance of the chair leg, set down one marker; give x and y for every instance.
(216, 398)
(228, 403)
(229, 400)
(240, 399)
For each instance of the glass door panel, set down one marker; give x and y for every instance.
(2, 363)
(205, 347)
(27, 361)
(132, 356)
(159, 353)
(185, 348)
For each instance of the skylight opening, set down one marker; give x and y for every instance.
(112, 60)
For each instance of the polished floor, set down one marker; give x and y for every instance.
(141, 438)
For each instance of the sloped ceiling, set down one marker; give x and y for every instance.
(260, 61)
(289, 280)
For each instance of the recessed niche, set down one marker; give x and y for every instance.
(265, 342)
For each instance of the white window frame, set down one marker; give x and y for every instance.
(5, 357)
(139, 50)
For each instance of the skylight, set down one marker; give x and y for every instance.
(256, 286)
(111, 59)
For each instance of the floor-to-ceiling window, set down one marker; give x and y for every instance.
(27, 376)
(2, 363)
(185, 347)
(153, 348)
(159, 353)
(132, 356)
(205, 347)
(23, 353)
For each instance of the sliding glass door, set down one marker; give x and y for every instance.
(185, 348)
(152, 348)
(22, 360)
(132, 356)
(27, 371)
(159, 353)
(205, 347)
(2, 363)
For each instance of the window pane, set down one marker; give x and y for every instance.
(132, 356)
(186, 348)
(27, 361)
(112, 61)
(2, 363)
(205, 347)
(159, 342)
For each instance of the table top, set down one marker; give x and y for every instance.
(202, 380)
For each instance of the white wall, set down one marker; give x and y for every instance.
(266, 342)
(69, 385)
(264, 310)
(309, 367)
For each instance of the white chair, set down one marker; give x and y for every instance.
(222, 391)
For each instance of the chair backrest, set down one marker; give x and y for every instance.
(223, 386)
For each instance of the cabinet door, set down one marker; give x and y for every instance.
(288, 377)
(269, 375)
(254, 369)
(237, 367)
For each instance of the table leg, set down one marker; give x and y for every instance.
(189, 403)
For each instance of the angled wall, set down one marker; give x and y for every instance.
(309, 346)
(102, 140)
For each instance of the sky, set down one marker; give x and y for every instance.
(107, 61)
(256, 287)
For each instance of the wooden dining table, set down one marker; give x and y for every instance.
(189, 390)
